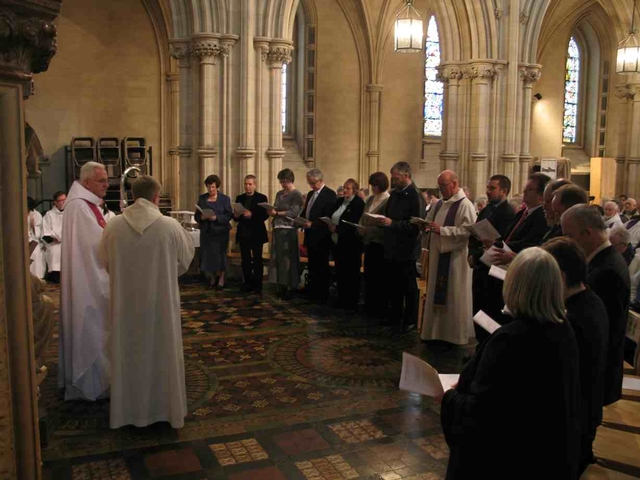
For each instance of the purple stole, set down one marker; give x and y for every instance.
(444, 260)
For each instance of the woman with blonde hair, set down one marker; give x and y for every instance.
(514, 412)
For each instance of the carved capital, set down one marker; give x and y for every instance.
(524, 18)
(28, 39)
(476, 71)
(625, 92)
(279, 55)
(498, 12)
(449, 72)
(529, 75)
(179, 51)
(208, 48)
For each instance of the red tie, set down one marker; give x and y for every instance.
(522, 218)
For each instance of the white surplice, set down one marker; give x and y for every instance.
(38, 265)
(52, 227)
(453, 322)
(144, 253)
(83, 365)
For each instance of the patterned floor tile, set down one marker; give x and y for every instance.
(242, 451)
(435, 445)
(300, 441)
(172, 462)
(332, 467)
(268, 473)
(101, 470)
(356, 431)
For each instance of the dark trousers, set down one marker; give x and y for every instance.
(402, 280)
(252, 271)
(376, 293)
(319, 272)
(348, 262)
(487, 296)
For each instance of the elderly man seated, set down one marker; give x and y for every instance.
(621, 240)
(612, 215)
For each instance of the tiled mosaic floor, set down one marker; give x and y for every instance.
(276, 390)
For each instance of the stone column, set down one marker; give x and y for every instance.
(626, 95)
(529, 76)
(261, 46)
(633, 151)
(226, 117)
(205, 47)
(185, 183)
(279, 54)
(373, 152)
(171, 183)
(450, 75)
(27, 45)
(481, 76)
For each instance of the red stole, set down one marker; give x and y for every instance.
(98, 214)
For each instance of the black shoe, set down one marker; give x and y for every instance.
(219, 287)
(246, 288)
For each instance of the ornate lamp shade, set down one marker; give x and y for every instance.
(408, 30)
(628, 59)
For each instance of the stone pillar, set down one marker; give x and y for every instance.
(481, 76)
(373, 152)
(626, 95)
(450, 75)
(529, 76)
(261, 46)
(171, 183)
(27, 44)
(205, 48)
(226, 117)
(633, 150)
(185, 172)
(512, 89)
(279, 54)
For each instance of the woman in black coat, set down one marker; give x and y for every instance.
(515, 411)
(214, 231)
(347, 250)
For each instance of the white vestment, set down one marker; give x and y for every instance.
(52, 227)
(634, 232)
(144, 253)
(452, 322)
(83, 365)
(613, 221)
(37, 265)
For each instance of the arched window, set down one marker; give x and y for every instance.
(433, 89)
(571, 93)
(284, 104)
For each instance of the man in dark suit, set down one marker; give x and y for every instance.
(529, 226)
(608, 277)
(553, 221)
(320, 203)
(500, 215)
(401, 247)
(251, 234)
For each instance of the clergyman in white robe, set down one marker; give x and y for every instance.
(145, 252)
(37, 264)
(452, 322)
(83, 365)
(52, 227)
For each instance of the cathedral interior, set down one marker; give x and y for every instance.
(187, 88)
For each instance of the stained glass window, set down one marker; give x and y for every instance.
(571, 88)
(433, 90)
(283, 106)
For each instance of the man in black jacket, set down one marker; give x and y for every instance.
(251, 234)
(320, 203)
(608, 277)
(499, 213)
(553, 221)
(400, 245)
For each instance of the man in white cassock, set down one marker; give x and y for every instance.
(448, 309)
(144, 253)
(83, 365)
(52, 235)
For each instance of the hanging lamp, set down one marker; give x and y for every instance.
(628, 59)
(408, 29)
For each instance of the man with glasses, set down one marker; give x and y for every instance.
(317, 237)
(83, 365)
(52, 236)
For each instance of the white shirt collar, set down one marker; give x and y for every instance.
(597, 251)
(531, 210)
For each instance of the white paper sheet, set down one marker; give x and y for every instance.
(375, 215)
(328, 221)
(488, 258)
(352, 224)
(266, 206)
(486, 322)
(417, 221)
(498, 272)
(420, 377)
(298, 221)
(631, 383)
(483, 230)
(238, 208)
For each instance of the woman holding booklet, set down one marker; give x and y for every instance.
(347, 249)
(285, 253)
(213, 214)
(515, 411)
(375, 285)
